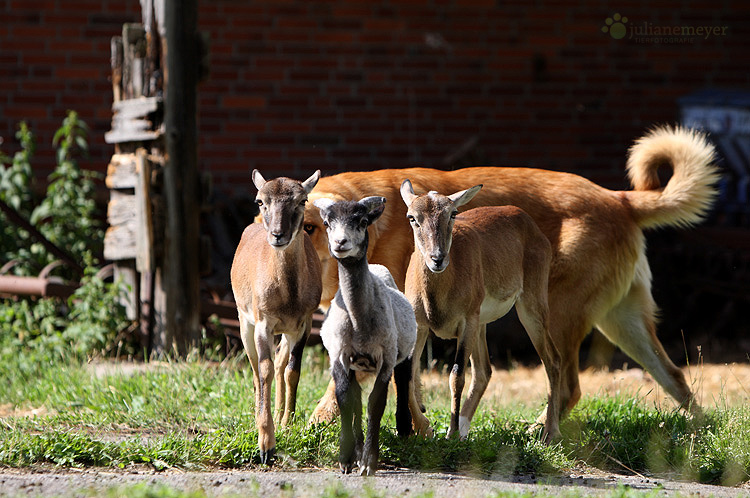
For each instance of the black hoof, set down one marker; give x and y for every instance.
(268, 457)
(368, 464)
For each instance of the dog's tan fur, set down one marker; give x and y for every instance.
(599, 275)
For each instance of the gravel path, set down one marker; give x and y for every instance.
(308, 483)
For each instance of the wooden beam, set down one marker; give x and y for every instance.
(144, 241)
(116, 62)
(135, 120)
(121, 172)
(181, 185)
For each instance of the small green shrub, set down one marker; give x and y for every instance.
(96, 315)
(67, 214)
(51, 329)
(15, 190)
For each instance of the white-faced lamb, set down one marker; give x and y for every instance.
(276, 280)
(467, 271)
(370, 327)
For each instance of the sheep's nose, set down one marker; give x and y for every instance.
(277, 234)
(438, 260)
(342, 241)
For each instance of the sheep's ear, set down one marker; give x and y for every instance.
(463, 197)
(407, 192)
(375, 206)
(323, 204)
(310, 183)
(258, 179)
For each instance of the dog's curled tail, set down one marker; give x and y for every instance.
(690, 191)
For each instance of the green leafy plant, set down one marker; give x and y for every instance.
(96, 315)
(52, 329)
(15, 190)
(67, 214)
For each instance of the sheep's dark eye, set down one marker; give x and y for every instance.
(325, 223)
(363, 223)
(413, 220)
(259, 202)
(454, 214)
(309, 228)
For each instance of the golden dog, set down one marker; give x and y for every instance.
(599, 275)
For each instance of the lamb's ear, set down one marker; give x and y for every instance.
(323, 204)
(375, 206)
(463, 197)
(407, 192)
(310, 183)
(258, 179)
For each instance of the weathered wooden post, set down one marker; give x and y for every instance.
(181, 179)
(155, 196)
(133, 239)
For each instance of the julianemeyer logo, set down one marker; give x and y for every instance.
(619, 27)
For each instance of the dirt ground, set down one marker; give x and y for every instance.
(314, 482)
(714, 385)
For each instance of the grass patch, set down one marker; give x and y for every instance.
(196, 415)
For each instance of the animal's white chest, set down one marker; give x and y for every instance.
(493, 308)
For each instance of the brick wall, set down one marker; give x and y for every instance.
(341, 85)
(54, 56)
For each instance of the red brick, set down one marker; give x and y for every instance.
(81, 72)
(334, 37)
(291, 127)
(243, 102)
(26, 112)
(287, 36)
(297, 23)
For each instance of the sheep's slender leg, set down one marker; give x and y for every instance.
(281, 360)
(368, 464)
(457, 379)
(421, 423)
(402, 379)
(264, 418)
(343, 379)
(480, 377)
(355, 392)
(291, 374)
(247, 334)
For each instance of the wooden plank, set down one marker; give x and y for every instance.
(128, 125)
(134, 80)
(116, 62)
(161, 342)
(120, 237)
(118, 137)
(121, 172)
(138, 107)
(119, 242)
(144, 259)
(125, 271)
(121, 208)
(135, 120)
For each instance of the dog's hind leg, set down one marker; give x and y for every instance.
(632, 326)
